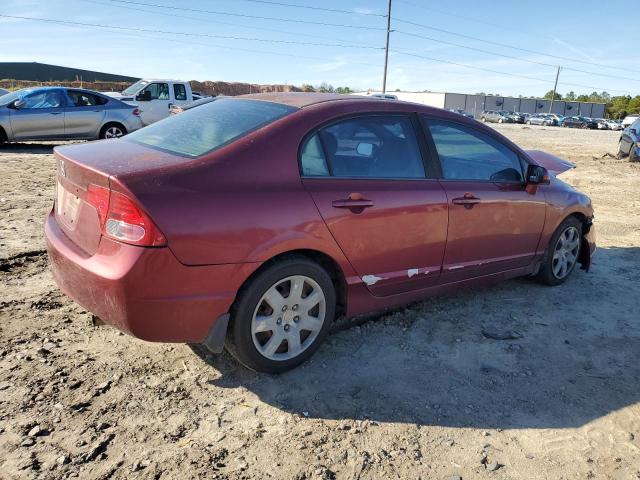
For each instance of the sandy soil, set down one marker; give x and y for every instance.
(418, 393)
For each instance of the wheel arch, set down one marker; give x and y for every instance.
(3, 135)
(328, 263)
(585, 252)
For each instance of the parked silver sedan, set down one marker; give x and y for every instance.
(57, 113)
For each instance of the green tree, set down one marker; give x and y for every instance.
(307, 88)
(570, 97)
(549, 95)
(343, 90)
(325, 87)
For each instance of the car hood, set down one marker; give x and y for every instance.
(553, 164)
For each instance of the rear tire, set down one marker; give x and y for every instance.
(267, 329)
(562, 254)
(3, 135)
(112, 130)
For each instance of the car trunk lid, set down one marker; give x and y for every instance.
(98, 164)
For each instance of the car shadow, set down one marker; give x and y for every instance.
(34, 148)
(572, 356)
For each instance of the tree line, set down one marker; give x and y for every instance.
(617, 107)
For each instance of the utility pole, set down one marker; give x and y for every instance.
(555, 86)
(386, 50)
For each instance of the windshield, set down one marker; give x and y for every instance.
(10, 97)
(139, 85)
(201, 130)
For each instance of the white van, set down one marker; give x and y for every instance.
(155, 97)
(629, 119)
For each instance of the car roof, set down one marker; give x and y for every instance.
(305, 99)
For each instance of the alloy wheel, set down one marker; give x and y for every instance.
(565, 253)
(288, 318)
(113, 132)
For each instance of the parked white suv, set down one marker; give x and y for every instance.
(155, 97)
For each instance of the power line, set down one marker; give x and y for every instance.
(244, 15)
(219, 22)
(515, 75)
(520, 59)
(469, 37)
(309, 7)
(190, 34)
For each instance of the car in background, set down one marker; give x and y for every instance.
(3, 91)
(176, 109)
(495, 117)
(629, 119)
(384, 96)
(58, 113)
(629, 143)
(579, 122)
(155, 97)
(540, 119)
(558, 118)
(515, 116)
(602, 123)
(253, 222)
(614, 125)
(461, 112)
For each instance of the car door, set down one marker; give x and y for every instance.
(366, 175)
(495, 222)
(41, 116)
(84, 114)
(155, 105)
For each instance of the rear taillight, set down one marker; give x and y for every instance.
(136, 112)
(122, 219)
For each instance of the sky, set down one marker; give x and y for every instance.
(503, 47)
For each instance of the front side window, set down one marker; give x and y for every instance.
(179, 91)
(467, 154)
(158, 91)
(366, 147)
(44, 99)
(84, 99)
(200, 130)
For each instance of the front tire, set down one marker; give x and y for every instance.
(282, 316)
(620, 155)
(562, 253)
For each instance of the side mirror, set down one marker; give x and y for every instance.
(144, 96)
(365, 149)
(633, 131)
(537, 175)
(18, 104)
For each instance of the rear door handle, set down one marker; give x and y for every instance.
(468, 201)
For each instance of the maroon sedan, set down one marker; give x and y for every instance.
(252, 222)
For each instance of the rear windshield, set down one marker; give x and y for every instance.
(205, 128)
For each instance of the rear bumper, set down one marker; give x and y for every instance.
(145, 292)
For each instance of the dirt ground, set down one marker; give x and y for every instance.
(417, 393)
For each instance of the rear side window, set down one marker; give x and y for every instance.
(180, 91)
(202, 129)
(367, 147)
(84, 99)
(467, 154)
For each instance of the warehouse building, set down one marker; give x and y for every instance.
(476, 104)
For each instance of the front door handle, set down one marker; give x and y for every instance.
(355, 202)
(468, 201)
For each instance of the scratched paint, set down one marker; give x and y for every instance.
(371, 279)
